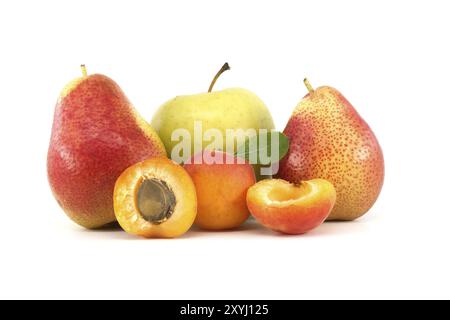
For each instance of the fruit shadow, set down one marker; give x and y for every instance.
(247, 228)
(328, 228)
(250, 228)
(111, 231)
(334, 228)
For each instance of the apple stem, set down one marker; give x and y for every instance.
(308, 85)
(224, 68)
(83, 70)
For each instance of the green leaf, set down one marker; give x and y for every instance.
(264, 148)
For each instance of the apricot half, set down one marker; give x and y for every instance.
(289, 208)
(155, 198)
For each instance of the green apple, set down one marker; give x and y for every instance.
(210, 115)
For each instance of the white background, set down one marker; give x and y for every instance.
(389, 58)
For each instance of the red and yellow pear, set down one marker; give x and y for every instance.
(96, 134)
(330, 140)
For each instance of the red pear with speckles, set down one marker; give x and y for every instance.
(330, 140)
(96, 135)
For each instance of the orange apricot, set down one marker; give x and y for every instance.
(221, 190)
(289, 208)
(155, 198)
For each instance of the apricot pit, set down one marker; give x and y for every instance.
(155, 201)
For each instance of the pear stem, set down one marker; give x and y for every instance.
(308, 85)
(224, 68)
(83, 70)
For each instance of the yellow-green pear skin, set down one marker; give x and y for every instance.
(330, 140)
(233, 108)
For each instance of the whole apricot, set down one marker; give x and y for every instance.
(221, 181)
